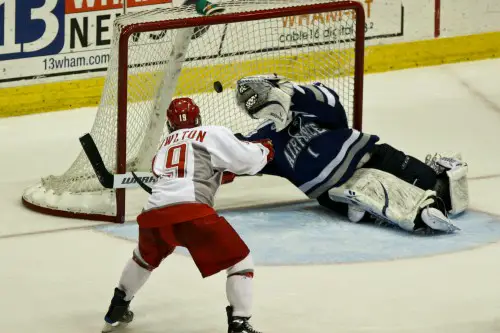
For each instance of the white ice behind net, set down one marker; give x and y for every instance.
(306, 48)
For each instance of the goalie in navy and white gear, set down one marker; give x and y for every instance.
(346, 170)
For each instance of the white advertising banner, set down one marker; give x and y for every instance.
(383, 20)
(44, 38)
(54, 38)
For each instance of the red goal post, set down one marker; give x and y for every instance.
(126, 89)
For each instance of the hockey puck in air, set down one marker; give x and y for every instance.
(218, 87)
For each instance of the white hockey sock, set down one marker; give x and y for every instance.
(239, 291)
(132, 279)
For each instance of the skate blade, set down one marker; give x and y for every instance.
(113, 327)
(441, 225)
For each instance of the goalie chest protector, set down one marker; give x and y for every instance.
(317, 150)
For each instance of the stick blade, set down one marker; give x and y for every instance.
(95, 159)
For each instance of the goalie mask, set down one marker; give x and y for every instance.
(183, 113)
(266, 97)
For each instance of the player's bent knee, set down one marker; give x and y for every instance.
(147, 261)
(137, 257)
(244, 267)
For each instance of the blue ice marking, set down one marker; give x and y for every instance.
(309, 234)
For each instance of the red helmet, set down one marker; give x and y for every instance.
(183, 113)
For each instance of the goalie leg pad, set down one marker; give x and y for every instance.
(354, 213)
(436, 220)
(459, 189)
(386, 158)
(384, 195)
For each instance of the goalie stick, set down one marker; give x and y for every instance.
(106, 178)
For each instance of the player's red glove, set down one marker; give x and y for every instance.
(269, 145)
(227, 177)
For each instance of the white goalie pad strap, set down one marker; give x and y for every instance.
(459, 188)
(383, 195)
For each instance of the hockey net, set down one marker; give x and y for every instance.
(162, 53)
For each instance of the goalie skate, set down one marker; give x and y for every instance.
(436, 220)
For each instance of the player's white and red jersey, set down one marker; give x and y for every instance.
(190, 163)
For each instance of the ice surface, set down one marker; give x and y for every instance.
(57, 275)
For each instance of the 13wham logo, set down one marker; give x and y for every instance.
(31, 28)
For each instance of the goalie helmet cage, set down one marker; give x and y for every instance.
(161, 53)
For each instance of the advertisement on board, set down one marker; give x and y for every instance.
(65, 38)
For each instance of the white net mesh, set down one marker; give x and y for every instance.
(304, 48)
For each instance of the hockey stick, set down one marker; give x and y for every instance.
(109, 180)
(142, 184)
(106, 178)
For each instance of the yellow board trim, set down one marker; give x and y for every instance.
(432, 52)
(24, 100)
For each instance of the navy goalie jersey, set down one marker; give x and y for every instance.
(317, 150)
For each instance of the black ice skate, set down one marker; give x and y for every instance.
(118, 315)
(238, 324)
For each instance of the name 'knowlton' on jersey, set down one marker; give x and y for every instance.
(190, 163)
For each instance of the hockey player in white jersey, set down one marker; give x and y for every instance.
(179, 212)
(346, 170)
